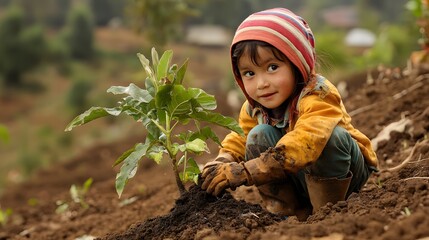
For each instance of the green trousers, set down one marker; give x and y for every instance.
(340, 155)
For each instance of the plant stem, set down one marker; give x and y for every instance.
(179, 182)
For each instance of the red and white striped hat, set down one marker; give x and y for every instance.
(284, 30)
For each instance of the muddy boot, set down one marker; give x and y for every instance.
(279, 198)
(324, 190)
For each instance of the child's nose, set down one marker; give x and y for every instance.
(262, 83)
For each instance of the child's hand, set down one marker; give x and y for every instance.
(219, 177)
(217, 161)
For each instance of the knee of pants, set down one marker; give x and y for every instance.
(260, 138)
(338, 139)
(335, 159)
(263, 134)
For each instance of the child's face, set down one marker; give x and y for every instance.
(270, 83)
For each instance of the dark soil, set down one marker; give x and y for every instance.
(199, 214)
(392, 205)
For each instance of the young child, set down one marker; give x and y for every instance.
(299, 145)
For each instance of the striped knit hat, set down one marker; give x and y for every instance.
(284, 30)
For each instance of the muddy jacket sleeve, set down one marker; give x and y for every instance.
(319, 112)
(233, 144)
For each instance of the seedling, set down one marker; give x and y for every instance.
(4, 216)
(378, 183)
(406, 212)
(163, 105)
(4, 134)
(77, 195)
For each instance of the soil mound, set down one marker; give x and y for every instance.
(198, 214)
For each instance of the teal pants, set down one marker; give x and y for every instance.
(340, 155)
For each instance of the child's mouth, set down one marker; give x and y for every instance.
(267, 95)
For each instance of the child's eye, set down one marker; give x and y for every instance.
(272, 67)
(248, 74)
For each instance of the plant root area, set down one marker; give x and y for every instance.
(394, 204)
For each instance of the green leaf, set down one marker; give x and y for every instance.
(150, 87)
(132, 90)
(153, 130)
(172, 73)
(156, 156)
(175, 148)
(181, 160)
(206, 101)
(74, 194)
(62, 208)
(181, 147)
(172, 69)
(175, 99)
(86, 185)
(92, 114)
(193, 166)
(129, 166)
(146, 65)
(191, 172)
(415, 6)
(163, 96)
(163, 65)
(219, 120)
(181, 73)
(125, 155)
(155, 58)
(4, 134)
(206, 133)
(197, 146)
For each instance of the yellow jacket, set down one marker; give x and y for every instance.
(320, 110)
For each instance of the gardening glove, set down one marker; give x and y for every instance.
(258, 171)
(221, 158)
(225, 175)
(267, 168)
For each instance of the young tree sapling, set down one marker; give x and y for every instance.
(164, 104)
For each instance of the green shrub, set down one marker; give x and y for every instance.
(21, 48)
(77, 97)
(79, 33)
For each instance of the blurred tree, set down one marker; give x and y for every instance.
(21, 48)
(77, 97)
(47, 12)
(420, 10)
(388, 10)
(369, 18)
(79, 32)
(161, 21)
(58, 14)
(294, 5)
(106, 10)
(223, 12)
(312, 14)
(330, 50)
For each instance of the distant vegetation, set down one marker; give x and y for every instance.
(23, 24)
(18, 53)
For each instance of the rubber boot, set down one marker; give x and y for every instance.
(324, 190)
(279, 198)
